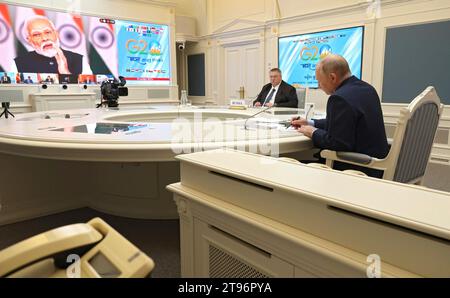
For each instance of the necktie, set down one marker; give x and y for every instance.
(269, 98)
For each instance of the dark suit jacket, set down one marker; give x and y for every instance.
(35, 63)
(286, 95)
(8, 80)
(354, 123)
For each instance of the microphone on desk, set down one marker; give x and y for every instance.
(259, 112)
(311, 106)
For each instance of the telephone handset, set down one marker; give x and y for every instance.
(93, 249)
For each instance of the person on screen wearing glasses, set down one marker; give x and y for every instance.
(48, 56)
(354, 121)
(277, 92)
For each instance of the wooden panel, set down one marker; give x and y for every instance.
(252, 71)
(232, 73)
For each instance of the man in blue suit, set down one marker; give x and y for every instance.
(354, 119)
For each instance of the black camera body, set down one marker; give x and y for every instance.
(111, 90)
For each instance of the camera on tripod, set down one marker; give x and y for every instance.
(111, 89)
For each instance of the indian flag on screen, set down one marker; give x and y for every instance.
(8, 49)
(103, 47)
(71, 34)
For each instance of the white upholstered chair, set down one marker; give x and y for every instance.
(411, 146)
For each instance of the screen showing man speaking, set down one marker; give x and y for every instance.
(36, 43)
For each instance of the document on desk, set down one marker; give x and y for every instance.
(269, 123)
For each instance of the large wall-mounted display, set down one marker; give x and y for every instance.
(299, 54)
(49, 46)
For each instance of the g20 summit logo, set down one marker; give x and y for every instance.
(313, 53)
(142, 47)
(325, 50)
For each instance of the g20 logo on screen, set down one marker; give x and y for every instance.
(142, 47)
(313, 53)
(325, 50)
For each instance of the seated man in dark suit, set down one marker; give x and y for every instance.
(5, 79)
(354, 119)
(49, 80)
(47, 57)
(277, 92)
(28, 80)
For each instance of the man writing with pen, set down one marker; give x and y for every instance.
(354, 121)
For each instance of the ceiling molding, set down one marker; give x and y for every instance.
(157, 3)
(180, 37)
(258, 26)
(237, 32)
(357, 7)
(224, 28)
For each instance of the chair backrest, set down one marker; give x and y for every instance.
(301, 96)
(414, 137)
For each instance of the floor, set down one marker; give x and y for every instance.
(159, 239)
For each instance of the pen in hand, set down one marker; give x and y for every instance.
(292, 120)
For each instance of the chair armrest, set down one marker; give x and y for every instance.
(358, 159)
(354, 157)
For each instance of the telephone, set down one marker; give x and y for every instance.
(93, 249)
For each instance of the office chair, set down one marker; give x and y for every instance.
(411, 146)
(94, 249)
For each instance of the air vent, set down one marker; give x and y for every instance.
(224, 265)
(158, 94)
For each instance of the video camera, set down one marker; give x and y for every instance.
(111, 89)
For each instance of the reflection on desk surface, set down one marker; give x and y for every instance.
(285, 112)
(103, 128)
(55, 116)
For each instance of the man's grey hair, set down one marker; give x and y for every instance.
(35, 18)
(333, 63)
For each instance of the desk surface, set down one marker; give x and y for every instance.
(410, 206)
(146, 133)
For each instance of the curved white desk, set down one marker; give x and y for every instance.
(120, 160)
(37, 135)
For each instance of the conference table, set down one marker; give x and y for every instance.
(119, 160)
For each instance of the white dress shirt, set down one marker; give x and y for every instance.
(274, 94)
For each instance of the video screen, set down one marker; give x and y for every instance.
(79, 49)
(299, 54)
